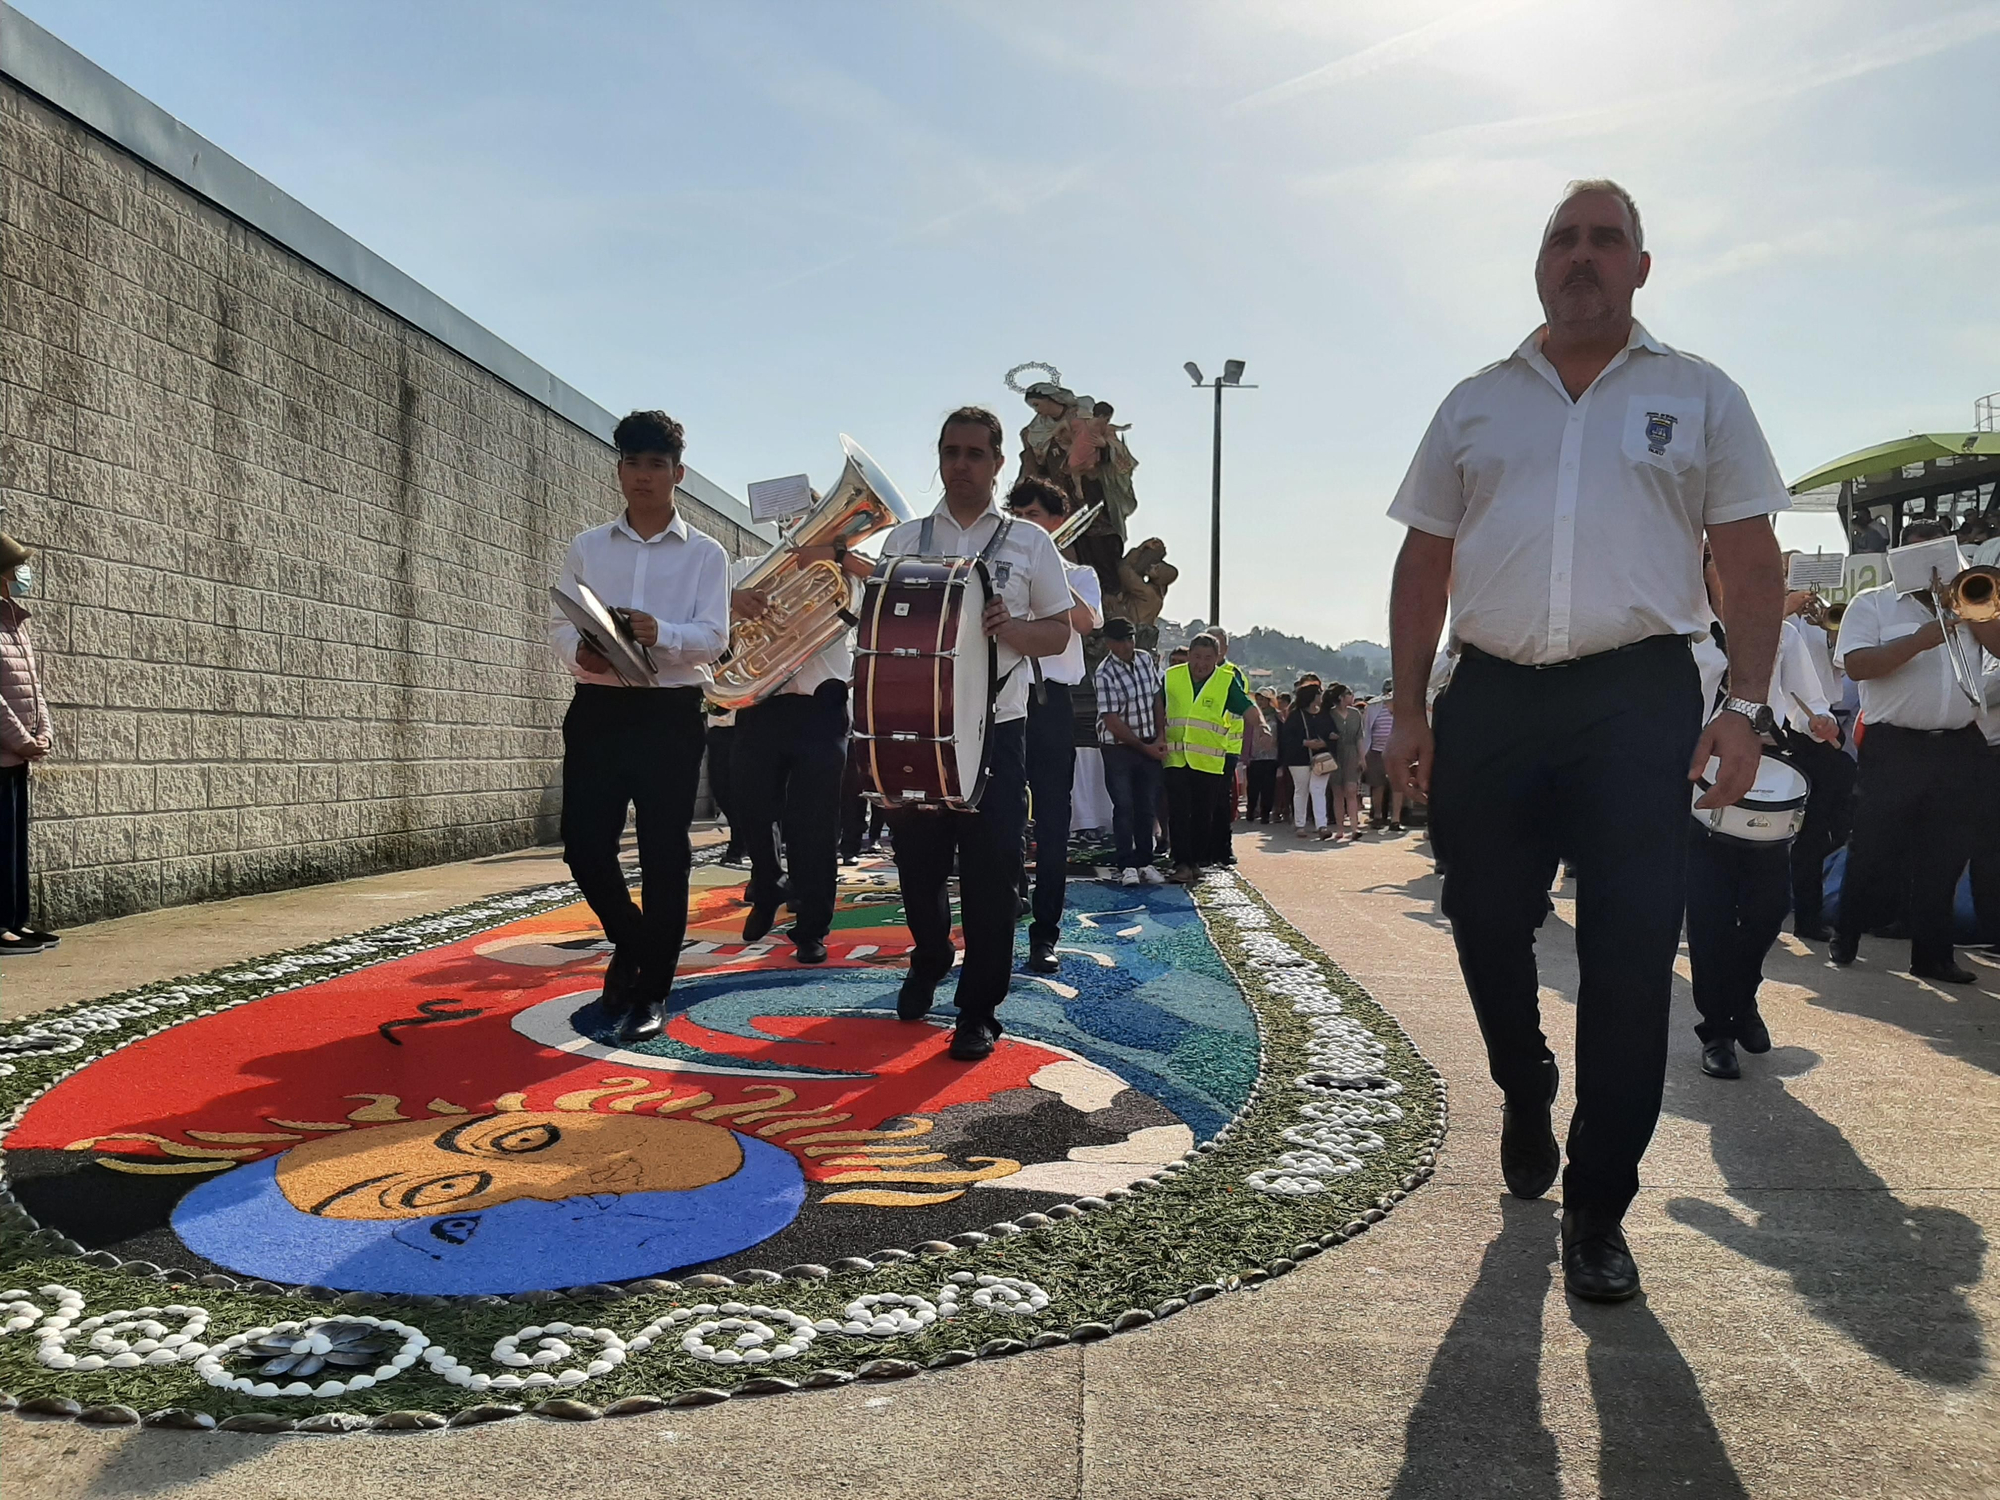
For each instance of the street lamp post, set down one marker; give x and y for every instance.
(1231, 377)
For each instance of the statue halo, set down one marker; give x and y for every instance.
(1055, 375)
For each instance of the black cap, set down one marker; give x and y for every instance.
(1117, 629)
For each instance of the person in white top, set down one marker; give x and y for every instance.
(1557, 504)
(1921, 759)
(1051, 727)
(786, 767)
(640, 746)
(1986, 823)
(1028, 618)
(1737, 892)
(1804, 702)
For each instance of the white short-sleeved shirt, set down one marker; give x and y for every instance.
(680, 577)
(833, 662)
(1921, 693)
(1577, 524)
(1793, 678)
(1084, 583)
(1026, 568)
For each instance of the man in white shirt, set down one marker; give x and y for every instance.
(1986, 823)
(1921, 759)
(1051, 727)
(1819, 755)
(1028, 618)
(640, 747)
(1558, 505)
(786, 767)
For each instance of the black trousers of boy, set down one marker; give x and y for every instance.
(1222, 836)
(1829, 816)
(1737, 895)
(14, 848)
(1913, 834)
(791, 753)
(858, 816)
(1587, 759)
(639, 749)
(721, 786)
(1262, 776)
(1051, 751)
(987, 846)
(1192, 799)
(1986, 849)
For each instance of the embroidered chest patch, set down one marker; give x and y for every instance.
(1659, 430)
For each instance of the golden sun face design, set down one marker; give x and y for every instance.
(421, 1168)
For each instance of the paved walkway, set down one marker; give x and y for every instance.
(1820, 1317)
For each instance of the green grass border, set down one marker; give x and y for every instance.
(1192, 1232)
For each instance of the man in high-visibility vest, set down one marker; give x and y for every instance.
(1200, 701)
(1225, 809)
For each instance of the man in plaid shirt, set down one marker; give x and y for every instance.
(1131, 716)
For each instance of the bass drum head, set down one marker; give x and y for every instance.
(972, 688)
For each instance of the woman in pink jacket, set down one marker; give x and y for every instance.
(24, 737)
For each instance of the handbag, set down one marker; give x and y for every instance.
(1325, 763)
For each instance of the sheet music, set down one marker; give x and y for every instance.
(774, 499)
(1822, 572)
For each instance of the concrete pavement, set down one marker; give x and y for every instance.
(1819, 1319)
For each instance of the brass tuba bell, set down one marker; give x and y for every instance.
(808, 604)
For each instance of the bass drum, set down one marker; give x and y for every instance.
(1772, 812)
(924, 683)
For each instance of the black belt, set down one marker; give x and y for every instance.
(1870, 726)
(1650, 643)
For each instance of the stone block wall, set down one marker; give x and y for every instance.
(292, 550)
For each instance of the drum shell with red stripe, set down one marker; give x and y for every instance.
(923, 671)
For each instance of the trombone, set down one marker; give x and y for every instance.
(1972, 597)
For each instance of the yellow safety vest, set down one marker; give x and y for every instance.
(1197, 726)
(1236, 720)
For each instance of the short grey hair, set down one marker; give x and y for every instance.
(1584, 185)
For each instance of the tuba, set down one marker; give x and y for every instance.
(809, 604)
(1075, 524)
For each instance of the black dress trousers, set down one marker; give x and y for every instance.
(1986, 848)
(1051, 750)
(1913, 833)
(790, 756)
(1737, 895)
(636, 748)
(987, 846)
(1589, 760)
(14, 848)
(1194, 799)
(1829, 816)
(721, 742)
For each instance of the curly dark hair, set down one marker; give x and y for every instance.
(1037, 491)
(649, 432)
(976, 416)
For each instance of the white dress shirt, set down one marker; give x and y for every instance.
(1067, 667)
(1793, 677)
(1986, 554)
(1578, 524)
(1921, 693)
(1027, 569)
(1820, 648)
(833, 662)
(679, 577)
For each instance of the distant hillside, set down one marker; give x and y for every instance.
(1360, 664)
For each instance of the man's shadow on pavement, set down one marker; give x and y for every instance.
(1477, 1428)
(1889, 1276)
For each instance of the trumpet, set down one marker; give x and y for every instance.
(1817, 611)
(1075, 525)
(1971, 597)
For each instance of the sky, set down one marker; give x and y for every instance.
(783, 220)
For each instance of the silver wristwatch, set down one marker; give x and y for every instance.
(1759, 714)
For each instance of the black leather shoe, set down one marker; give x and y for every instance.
(1813, 932)
(643, 1021)
(1844, 949)
(913, 1000)
(1042, 958)
(1529, 1155)
(1753, 1036)
(1947, 973)
(621, 984)
(1597, 1263)
(762, 915)
(973, 1041)
(809, 950)
(734, 855)
(1718, 1059)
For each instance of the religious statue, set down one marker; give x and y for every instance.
(1073, 443)
(1144, 576)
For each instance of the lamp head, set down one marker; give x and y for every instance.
(1232, 371)
(1194, 371)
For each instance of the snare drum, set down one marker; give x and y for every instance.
(924, 683)
(1772, 812)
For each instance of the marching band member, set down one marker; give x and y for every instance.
(640, 747)
(1557, 504)
(1921, 760)
(786, 769)
(1029, 617)
(1738, 893)
(1051, 728)
(1820, 756)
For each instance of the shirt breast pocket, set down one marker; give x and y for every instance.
(1665, 432)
